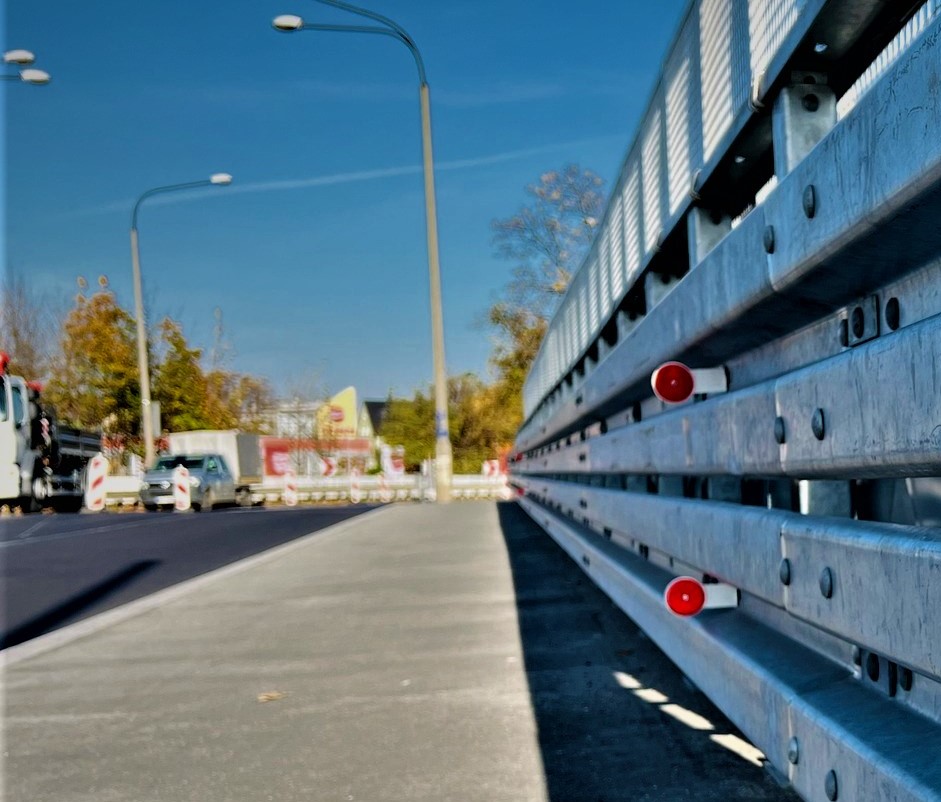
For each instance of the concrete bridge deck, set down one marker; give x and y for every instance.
(413, 653)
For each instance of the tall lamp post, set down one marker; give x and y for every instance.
(290, 22)
(147, 421)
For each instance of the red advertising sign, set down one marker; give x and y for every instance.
(277, 459)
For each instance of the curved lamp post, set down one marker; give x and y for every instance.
(386, 27)
(147, 422)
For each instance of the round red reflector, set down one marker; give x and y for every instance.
(672, 382)
(685, 596)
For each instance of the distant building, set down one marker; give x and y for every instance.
(322, 437)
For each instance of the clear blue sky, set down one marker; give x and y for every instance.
(316, 254)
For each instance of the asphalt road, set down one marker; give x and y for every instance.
(59, 569)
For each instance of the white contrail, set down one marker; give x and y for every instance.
(342, 178)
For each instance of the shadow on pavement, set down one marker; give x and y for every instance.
(616, 720)
(52, 618)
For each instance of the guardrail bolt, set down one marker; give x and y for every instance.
(784, 571)
(768, 239)
(905, 678)
(826, 583)
(892, 313)
(817, 424)
(793, 751)
(810, 200)
(830, 786)
(858, 322)
(780, 434)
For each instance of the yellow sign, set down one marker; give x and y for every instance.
(336, 420)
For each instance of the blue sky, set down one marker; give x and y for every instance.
(316, 253)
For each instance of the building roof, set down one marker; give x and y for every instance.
(377, 413)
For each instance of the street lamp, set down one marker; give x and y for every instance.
(147, 423)
(291, 22)
(23, 58)
(37, 77)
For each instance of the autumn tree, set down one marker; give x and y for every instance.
(94, 380)
(547, 238)
(479, 428)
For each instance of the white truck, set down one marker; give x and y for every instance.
(41, 462)
(241, 451)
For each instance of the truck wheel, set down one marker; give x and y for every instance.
(38, 494)
(243, 497)
(208, 502)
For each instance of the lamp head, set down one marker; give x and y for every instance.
(18, 57)
(32, 76)
(287, 22)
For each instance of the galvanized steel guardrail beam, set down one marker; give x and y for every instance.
(820, 305)
(817, 725)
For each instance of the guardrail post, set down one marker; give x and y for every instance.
(803, 114)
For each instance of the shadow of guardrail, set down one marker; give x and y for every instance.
(616, 719)
(75, 605)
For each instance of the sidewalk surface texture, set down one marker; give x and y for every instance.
(415, 653)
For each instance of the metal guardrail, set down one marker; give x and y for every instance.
(776, 221)
(123, 490)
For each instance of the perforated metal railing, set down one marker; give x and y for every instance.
(775, 225)
(725, 61)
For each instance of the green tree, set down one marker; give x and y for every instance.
(95, 380)
(409, 422)
(179, 382)
(480, 426)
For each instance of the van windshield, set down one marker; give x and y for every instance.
(169, 463)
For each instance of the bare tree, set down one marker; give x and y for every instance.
(30, 323)
(548, 237)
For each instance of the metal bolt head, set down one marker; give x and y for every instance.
(809, 201)
(793, 751)
(826, 583)
(905, 678)
(892, 313)
(830, 786)
(768, 239)
(817, 424)
(784, 571)
(780, 433)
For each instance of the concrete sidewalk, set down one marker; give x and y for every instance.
(380, 660)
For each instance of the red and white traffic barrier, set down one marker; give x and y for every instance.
(98, 468)
(385, 493)
(182, 492)
(356, 494)
(674, 382)
(686, 596)
(289, 495)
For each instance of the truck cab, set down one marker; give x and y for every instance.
(16, 458)
(40, 462)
